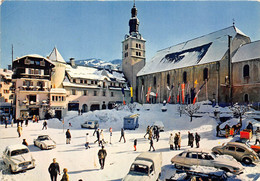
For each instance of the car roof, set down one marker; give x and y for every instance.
(17, 146)
(236, 144)
(199, 150)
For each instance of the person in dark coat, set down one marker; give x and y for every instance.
(218, 130)
(44, 125)
(21, 122)
(68, 136)
(25, 142)
(102, 156)
(197, 139)
(98, 137)
(188, 138)
(151, 145)
(122, 135)
(54, 170)
(26, 122)
(176, 141)
(78, 111)
(250, 126)
(147, 131)
(5, 122)
(157, 133)
(191, 140)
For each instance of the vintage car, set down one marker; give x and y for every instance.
(90, 124)
(18, 158)
(147, 166)
(239, 151)
(44, 142)
(202, 157)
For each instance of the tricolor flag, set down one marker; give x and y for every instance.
(196, 96)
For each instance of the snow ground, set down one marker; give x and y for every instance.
(83, 164)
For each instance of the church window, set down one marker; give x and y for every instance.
(168, 79)
(246, 98)
(154, 81)
(136, 53)
(136, 45)
(140, 46)
(126, 46)
(73, 91)
(85, 92)
(205, 74)
(140, 54)
(184, 77)
(246, 71)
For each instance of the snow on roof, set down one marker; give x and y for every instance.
(247, 52)
(58, 90)
(56, 56)
(94, 74)
(69, 84)
(205, 49)
(33, 56)
(6, 73)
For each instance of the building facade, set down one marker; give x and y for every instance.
(133, 51)
(6, 94)
(206, 60)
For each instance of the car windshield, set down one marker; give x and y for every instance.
(139, 168)
(19, 152)
(42, 138)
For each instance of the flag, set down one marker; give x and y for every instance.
(182, 92)
(131, 90)
(170, 95)
(196, 96)
(148, 94)
(178, 94)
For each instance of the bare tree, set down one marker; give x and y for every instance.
(239, 111)
(190, 109)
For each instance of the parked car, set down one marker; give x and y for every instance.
(202, 157)
(44, 142)
(239, 151)
(90, 124)
(256, 148)
(159, 124)
(18, 158)
(131, 122)
(147, 166)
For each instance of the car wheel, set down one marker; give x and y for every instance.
(11, 170)
(41, 147)
(178, 166)
(34, 143)
(247, 160)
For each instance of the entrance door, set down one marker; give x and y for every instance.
(85, 108)
(58, 114)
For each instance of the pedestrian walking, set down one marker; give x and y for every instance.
(44, 124)
(54, 170)
(87, 141)
(151, 145)
(19, 130)
(179, 140)
(227, 130)
(122, 135)
(78, 112)
(147, 131)
(26, 121)
(102, 156)
(218, 130)
(98, 137)
(95, 131)
(68, 136)
(150, 133)
(257, 135)
(171, 141)
(157, 133)
(37, 118)
(197, 139)
(25, 142)
(110, 131)
(6, 122)
(191, 140)
(102, 137)
(21, 121)
(81, 111)
(135, 143)
(176, 141)
(188, 138)
(65, 176)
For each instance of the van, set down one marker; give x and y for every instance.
(131, 122)
(147, 166)
(90, 124)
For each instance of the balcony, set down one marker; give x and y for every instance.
(33, 88)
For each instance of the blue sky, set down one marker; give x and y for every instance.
(83, 29)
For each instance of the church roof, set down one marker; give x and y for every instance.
(205, 49)
(248, 51)
(56, 56)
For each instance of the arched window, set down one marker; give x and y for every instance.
(246, 71)
(205, 74)
(154, 81)
(246, 98)
(168, 79)
(185, 77)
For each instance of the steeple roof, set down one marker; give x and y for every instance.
(56, 56)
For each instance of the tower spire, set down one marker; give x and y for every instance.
(134, 22)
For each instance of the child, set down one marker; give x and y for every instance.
(87, 142)
(135, 143)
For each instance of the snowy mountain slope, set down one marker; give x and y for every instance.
(93, 62)
(83, 164)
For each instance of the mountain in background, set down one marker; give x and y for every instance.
(98, 63)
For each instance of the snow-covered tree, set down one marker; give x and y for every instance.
(239, 111)
(191, 109)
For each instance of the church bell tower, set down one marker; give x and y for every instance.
(133, 51)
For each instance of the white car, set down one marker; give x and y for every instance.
(18, 158)
(159, 124)
(201, 157)
(44, 142)
(90, 124)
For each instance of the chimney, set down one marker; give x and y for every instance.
(72, 62)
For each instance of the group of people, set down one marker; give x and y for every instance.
(176, 140)
(191, 138)
(152, 132)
